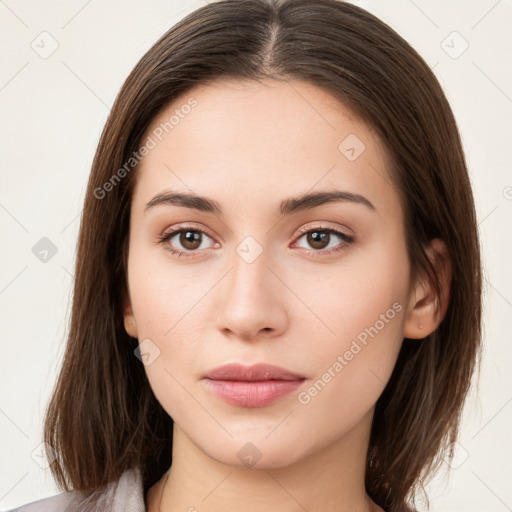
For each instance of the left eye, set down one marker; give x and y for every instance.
(320, 239)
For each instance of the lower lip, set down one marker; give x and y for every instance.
(252, 394)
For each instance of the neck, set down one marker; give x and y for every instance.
(331, 478)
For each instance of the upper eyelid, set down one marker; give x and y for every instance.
(305, 228)
(321, 226)
(301, 232)
(185, 226)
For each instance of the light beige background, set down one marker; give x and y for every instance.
(52, 111)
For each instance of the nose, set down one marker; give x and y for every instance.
(252, 300)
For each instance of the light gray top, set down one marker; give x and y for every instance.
(125, 495)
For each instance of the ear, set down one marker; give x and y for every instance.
(130, 325)
(426, 309)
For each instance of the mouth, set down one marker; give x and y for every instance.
(252, 386)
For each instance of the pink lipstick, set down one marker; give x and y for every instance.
(252, 386)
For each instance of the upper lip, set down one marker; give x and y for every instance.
(256, 372)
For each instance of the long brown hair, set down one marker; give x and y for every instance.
(103, 417)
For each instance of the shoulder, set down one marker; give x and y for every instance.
(124, 495)
(66, 501)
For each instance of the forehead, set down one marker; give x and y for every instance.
(234, 111)
(264, 140)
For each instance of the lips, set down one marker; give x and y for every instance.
(256, 372)
(252, 386)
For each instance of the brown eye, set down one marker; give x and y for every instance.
(190, 240)
(185, 241)
(318, 239)
(324, 241)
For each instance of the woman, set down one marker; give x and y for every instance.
(277, 288)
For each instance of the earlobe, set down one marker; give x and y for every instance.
(130, 325)
(426, 308)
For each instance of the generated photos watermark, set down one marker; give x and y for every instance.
(150, 143)
(344, 359)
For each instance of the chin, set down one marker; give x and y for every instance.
(254, 452)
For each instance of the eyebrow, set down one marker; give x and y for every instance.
(288, 206)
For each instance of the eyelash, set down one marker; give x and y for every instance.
(347, 239)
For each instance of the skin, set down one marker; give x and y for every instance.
(249, 146)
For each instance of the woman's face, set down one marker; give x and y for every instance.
(258, 277)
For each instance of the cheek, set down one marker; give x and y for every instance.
(355, 364)
(163, 307)
(363, 303)
(352, 369)
(164, 294)
(168, 319)
(355, 293)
